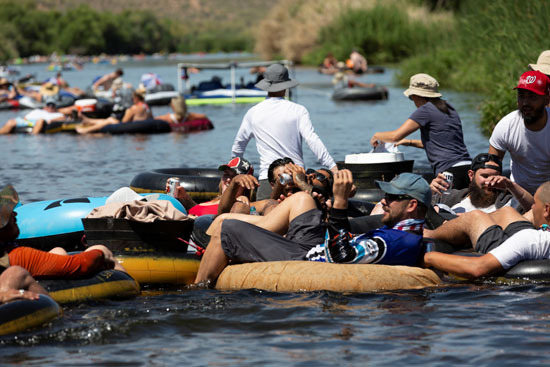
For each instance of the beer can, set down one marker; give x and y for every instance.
(449, 177)
(285, 178)
(173, 183)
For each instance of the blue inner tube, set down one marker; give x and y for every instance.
(58, 223)
(150, 126)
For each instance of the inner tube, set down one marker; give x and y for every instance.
(200, 183)
(22, 314)
(161, 95)
(537, 270)
(107, 284)
(128, 236)
(360, 94)
(192, 126)
(10, 104)
(160, 267)
(51, 223)
(300, 276)
(150, 126)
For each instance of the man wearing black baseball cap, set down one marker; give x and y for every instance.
(488, 191)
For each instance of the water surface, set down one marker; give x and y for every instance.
(458, 324)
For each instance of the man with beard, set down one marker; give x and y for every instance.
(294, 229)
(525, 133)
(488, 189)
(505, 237)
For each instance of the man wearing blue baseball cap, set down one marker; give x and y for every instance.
(295, 230)
(399, 242)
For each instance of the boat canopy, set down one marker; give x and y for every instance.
(183, 75)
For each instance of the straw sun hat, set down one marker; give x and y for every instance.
(423, 85)
(543, 63)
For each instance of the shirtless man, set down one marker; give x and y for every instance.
(137, 112)
(519, 240)
(106, 81)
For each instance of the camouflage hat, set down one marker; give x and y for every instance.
(8, 201)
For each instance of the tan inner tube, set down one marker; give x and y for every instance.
(296, 276)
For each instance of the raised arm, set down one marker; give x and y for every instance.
(236, 187)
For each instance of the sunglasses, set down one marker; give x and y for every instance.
(479, 161)
(391, 197)
(319, 176)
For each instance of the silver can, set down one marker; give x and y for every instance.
(449, 177)
(173, 183)
(285, 178)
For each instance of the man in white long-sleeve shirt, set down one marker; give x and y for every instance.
(279, 126)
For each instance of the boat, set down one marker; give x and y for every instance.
(214, 91)
(360, 94)
(160, 95)
(21, 102)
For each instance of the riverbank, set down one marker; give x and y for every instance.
(481, 47)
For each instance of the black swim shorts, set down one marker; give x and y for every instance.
(494, 236)
(244, 242)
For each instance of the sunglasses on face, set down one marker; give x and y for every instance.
(319, 176)
(391, 197)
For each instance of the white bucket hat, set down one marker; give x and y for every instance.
(543, 63)
(423, 85)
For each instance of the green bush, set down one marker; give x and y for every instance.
(27, 31)
(384, 34)
(491, 47)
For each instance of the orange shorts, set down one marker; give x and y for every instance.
(43, 264)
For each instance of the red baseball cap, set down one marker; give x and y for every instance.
(534, 81)
(240, 165)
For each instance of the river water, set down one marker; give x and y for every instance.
(457, 324)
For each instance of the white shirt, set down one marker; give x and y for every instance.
(279, 126)
(529, 150)
(527, 244)
(466, 206)
(39, 114)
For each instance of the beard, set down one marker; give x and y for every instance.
(529, 120)
(481, 198)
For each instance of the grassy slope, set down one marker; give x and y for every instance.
(231, 15)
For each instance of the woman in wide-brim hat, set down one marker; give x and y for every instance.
(440, 130)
